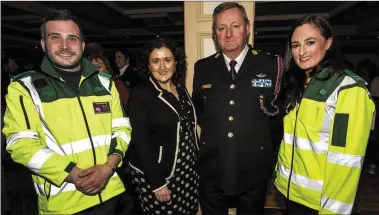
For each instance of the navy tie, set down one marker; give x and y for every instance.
(233, 73)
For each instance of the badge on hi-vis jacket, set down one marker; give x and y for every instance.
(261, 83)
(101, 107)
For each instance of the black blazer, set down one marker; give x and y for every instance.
(132, 77)
(236, 135)
(154, 117)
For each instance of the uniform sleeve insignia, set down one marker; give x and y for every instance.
(261, 75)
(206, 86)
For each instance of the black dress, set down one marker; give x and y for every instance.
(184, 184)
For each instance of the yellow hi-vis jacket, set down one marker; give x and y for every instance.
(324, 144)
(50, 129)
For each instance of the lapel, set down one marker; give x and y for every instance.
(175, 106)
(247, 65)
(220, 68)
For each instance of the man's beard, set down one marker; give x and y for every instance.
(58, 65)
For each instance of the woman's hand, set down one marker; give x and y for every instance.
(163, 195)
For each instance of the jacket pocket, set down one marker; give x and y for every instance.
(47, 189)
(160, 154)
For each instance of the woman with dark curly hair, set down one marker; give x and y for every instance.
(164, 141)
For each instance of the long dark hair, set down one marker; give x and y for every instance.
(294, 77)
(179, 55)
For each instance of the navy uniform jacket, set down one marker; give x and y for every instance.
(236, 138)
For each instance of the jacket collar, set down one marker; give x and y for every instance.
(157, 86)
(220, 67)
(88, 68)
(165, 96)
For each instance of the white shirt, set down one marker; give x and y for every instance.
(239, 59)
(122, 70)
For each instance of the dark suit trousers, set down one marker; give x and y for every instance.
(294, 208)
(214, 200)
(107, 208)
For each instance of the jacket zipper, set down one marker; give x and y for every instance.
(294, 143)
(24, 111)
(90, 138)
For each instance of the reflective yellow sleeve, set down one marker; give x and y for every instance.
(26, 141)
(347, 145)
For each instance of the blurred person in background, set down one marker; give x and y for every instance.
(373, 145)
(128, 69)
(104, 66)
(93, 49)
(367, 70)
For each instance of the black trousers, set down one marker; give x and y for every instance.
(294, 208)
(107, 208)
(214, 200)
(372, 150)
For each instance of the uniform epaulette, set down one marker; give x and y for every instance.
(217, 54)
(255, 51)
(23, 75)
(354, 76)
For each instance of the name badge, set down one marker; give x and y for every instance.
(101, 107)
(261, 83)
(206, 86)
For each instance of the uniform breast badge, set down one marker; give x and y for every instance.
(261, 75)
(261, 83)
(206, 86)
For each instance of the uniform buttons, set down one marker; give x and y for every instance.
(231, 118)
(232, 86)
(230, 134)
(261, 147)
(231, 102)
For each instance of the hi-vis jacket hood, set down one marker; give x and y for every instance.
(50, 128)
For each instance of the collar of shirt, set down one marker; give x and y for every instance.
(239, 59)
(122, 70)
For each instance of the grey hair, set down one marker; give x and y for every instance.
(223, 7)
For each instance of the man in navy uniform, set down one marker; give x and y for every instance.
(232, 91)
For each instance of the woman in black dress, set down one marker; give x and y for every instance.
(164, 140)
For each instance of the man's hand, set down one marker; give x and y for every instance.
(96, 177)
(163, 195)
(74, 178)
